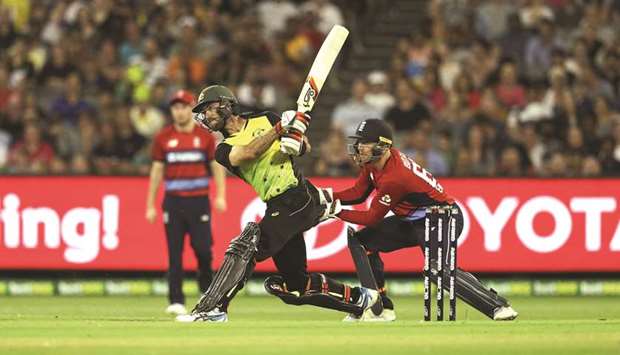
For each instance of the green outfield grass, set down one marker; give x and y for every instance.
(263, 325)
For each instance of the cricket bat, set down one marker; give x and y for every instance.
(321, 67)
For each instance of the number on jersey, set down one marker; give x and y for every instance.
(421, 172)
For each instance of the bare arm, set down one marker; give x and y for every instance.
(219, 174)
(156, 176)
(251, 151)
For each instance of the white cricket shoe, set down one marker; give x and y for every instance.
(214, 316)
(176, 309)
(388, 315)
(368, 298)
(505, 313)
(351, 318)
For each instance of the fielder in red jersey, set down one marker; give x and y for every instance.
(405, 188)
(184, 158)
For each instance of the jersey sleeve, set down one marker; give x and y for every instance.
(222, 155)
(157, 150)
(386, 198)
(272, 117)
(359, 192)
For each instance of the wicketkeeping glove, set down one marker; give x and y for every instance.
(332, 207)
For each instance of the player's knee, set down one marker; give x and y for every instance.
(246, 244)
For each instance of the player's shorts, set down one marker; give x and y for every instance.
(288, 214)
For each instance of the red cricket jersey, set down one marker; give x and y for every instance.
(402, 186)
(185, 156)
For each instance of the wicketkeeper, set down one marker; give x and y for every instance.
(259, 148)
(405, 188)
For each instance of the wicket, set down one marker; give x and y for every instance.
(434, 239)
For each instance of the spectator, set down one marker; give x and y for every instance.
(5, 90)
(79, 165)
(434, 93)
(510, 163)
(514, 41)
(129, 142)
(417, 144)
(492, 18)
(605, 117)
(152, 62)
(539, 49)
(146, 118)
(333, 159)
(347, 115)
(379, 96)
(556, 165)
(106, 154)
(30, 155)
(535, 148)
(56, 69)
(327, 14)
(481, 155)
(409, 110)
(509, 92)
(275, 9)
(71, 104)
(590, 167)
(534, 12)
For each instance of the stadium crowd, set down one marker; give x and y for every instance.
(499, 88)
(483, 88)
(84, 85)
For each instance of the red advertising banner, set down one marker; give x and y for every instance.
(97, 223)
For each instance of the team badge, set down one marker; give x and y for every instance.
(258, 132)
(196, 142)
(385, 199)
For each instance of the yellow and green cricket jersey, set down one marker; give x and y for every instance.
(270, 174)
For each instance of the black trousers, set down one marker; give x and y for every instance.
(182, 216)
(393, 233)
(287, 217)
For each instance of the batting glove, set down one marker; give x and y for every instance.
(295, 119)
(292, 142)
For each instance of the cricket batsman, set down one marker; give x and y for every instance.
(405, 188)
(253, 149)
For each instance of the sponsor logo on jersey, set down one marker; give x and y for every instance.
(184, 157)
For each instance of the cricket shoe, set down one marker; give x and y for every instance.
(351, 318)
(368, 298)
(387, 315)
(214, 316)
(505, 313)
(176, 309)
